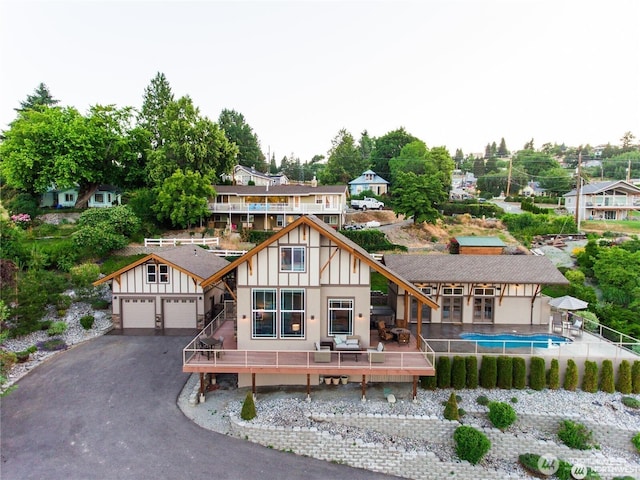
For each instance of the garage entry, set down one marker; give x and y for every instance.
(179, 313)
(138, 313)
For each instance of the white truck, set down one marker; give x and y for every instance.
(367, 203)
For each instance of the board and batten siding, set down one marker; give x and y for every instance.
(134, 281)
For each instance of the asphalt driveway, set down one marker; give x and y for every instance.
(106, 409)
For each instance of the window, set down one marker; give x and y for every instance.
(452, 310)
(263, 314)
(280, 221)
(157, 273)
(292, 259)
(99, 197)
(484, 292)
(452, 291)
(292, 313)
(330, 219)
(340, 317)
(69, 197)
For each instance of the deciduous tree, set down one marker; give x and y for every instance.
(387, 147)
(418, 197)
(345, 161)
(183, 198)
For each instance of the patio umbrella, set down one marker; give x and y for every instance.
(568, 302)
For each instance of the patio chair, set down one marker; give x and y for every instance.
(556, 324)
(404, 338)
(376, 355)
(322, 354)
(575, 329)
(385, 335)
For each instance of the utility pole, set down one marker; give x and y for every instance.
(509, 177)
(579, 184)
(629, 171)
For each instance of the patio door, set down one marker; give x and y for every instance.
(483, 310)
(451, 309)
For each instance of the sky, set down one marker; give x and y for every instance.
(454, 73)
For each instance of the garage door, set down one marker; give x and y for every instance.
(138, 313)
(179, 313)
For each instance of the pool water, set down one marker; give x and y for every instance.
(512, 340)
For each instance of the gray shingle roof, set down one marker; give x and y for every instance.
(193, 259)
(597, 187)
(476, 269)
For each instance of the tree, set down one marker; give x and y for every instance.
(157, 96)
(502, 149)
(458, 158)
(365, 146)
(345, 161)
(418, 197)
(183, 198)
(190, 142)
(387, 147)
(533, 162)
(478, 167)
(627, 141)
(617, 272)
(239, 132)
(58, 146)
(41, 98)
(556, 180)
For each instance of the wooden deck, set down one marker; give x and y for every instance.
(398, 359)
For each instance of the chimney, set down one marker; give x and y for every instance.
(314, 182)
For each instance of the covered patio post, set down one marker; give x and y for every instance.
(364, 388)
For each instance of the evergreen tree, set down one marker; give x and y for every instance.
(478, 167)
(157, 97)
(239, 132)
(502, 149)
(41, 98)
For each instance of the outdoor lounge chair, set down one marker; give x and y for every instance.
(322, 354)
(575, 329)
(385, 335)
(557, 325)
(376, 355)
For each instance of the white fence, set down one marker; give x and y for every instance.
(163, 242)
(228, 253)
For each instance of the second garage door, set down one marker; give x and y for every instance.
(179, 313)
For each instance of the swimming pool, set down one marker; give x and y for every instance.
(514, 340)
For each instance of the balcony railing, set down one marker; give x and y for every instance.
(267, 208)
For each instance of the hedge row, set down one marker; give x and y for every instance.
(511, 372)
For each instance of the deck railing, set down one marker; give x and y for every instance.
(163, 242)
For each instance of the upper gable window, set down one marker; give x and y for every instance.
(157, 273)
(292, 259)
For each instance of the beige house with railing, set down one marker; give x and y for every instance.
(612, 200)
(273, 207)
(475, 289)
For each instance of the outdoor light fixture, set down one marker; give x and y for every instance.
(295, 327)
(244, 317)
(313, 317)
(360, 316)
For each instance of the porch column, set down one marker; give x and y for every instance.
(407, 309)
(308, 387)
(419, 327)
(201, 391)
(253, 384)
(364, 388)
(415, 388)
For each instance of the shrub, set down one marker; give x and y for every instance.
(7, 361)
(537, 373)
(590, 379)
(505, 372)
(451, 408)
(571, 376)
(87, 322)
(99, 304)
(575, 435)
(471, 444)
(624, 383)
(630, 402)
(443, 372)
(606, 379)
(553, 375)
(519, 373)
(502, 415)
(57, 328)
(472, 371)
(488, 372)
(482, 400)
(458, 373)
(635, 377)
(52, 345)
(514, 399)
(636, 441)
(248, 408)
(530, 462)
(428, 383)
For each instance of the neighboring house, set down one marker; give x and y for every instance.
(474, 289)
(369, 181)
(533, 189)
(103, 196)
(306, 285)
(162, 290)
(476, 246)
(611, 200)
(275, 207)
(245, 175)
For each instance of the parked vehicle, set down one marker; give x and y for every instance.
(367, 203)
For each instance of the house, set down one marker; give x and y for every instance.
(103, 196)
(163, 290)
(474, 289)
(250, 176)
(611, 200)
(369, 181)
(533, 189)
(273, 207)
(476, 246)
(306, 286)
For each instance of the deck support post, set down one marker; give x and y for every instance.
(253, 385)
(415, 388)
(364, 388)
(308, 387)
(201, 391)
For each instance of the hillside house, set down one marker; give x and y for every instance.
(611, 200)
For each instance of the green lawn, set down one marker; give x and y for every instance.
(622, 226)
(378, 282)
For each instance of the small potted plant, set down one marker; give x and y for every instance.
(344, 379)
